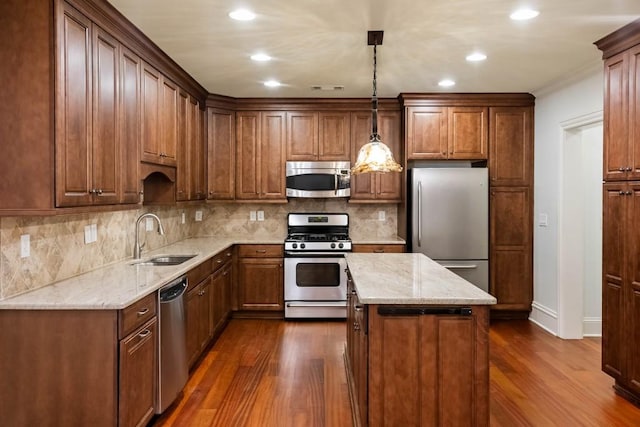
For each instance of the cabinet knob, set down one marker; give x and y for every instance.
(92, 191)
(356, 326)
(100, 192)
(629, 169)
(621, 169)
(628, 193)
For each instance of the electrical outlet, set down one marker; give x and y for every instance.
(25, 246)
(198, 215)
(382, 215)
(183, 218)
(260, 215)
(252, 215)
(543, 220)
(87, 234)
(148, 224)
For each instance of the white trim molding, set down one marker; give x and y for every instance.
(592, 326)
(544, 317)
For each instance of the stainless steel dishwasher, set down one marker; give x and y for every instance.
(173, 369)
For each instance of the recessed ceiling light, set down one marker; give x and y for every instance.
(446, 83)
(476, 56)
(524, 14)
(242, 15)
(272, 83)
(261, 57)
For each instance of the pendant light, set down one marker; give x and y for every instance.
(375, 156)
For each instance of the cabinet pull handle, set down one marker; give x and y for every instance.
(358, 308)
(219, 261)
(228, 254)
(144, 333)
(143, 312)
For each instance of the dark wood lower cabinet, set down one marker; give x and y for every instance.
(260, 278)
(420, 370)
(138, 359)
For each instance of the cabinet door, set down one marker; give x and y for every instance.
(468, 132)
(272, 155)
(426, 132)
(362, 186)
(614, 239)
(260, 284)
(388, 185)
(302, 136)
(183, 161)
(511, 145)
(197, 152)
(169, 123)
(220, 297)
(634, 113)
(137, 385)
(616, 117)
(192, 316)
(631, 292)
(221, 157)
(333, 136)
(443, 369)
(248, 161)
(105, 127)
(130, 68)
(151, 102)
(73, 110)
(510, 248)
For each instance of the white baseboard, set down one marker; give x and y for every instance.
(592, 327)
(544, 317)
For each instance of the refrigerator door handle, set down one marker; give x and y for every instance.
(461, 267)
(419, 213)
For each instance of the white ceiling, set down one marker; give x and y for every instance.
(324, 42)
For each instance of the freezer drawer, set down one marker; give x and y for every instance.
(476, 272)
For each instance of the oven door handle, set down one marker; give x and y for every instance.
(315, 254)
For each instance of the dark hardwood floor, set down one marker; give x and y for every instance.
(275, 373)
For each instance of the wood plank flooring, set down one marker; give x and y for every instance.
(275, 373)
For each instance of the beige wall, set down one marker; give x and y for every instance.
(58, 250)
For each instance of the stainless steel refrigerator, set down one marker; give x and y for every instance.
(449, 219)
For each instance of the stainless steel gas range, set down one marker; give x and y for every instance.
(315, 280)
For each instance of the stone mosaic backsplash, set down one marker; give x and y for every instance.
(58, 250)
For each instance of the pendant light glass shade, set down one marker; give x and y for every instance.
(375, 156)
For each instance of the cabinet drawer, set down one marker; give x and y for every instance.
(260, 251)
(136, 314)
(197, 274)
(379, 248)
(221, 258)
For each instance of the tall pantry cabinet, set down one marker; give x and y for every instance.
(621, 210)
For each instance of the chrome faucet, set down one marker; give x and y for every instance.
(137, 248)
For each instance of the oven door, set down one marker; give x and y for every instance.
(315, 277)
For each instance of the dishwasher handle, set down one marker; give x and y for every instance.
(173, 290)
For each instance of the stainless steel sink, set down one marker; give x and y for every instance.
(165, 260)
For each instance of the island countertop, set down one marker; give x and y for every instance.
(410, 278)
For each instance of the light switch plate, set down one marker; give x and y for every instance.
(25, 246)
(183, 218)
(252, 215)
(198, 215)
(543, 220)
(382, 215)
(148, 224)
(260, 215)
(94, 233)
(87, 234)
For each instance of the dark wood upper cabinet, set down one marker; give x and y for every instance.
(511, 146)
(221, 137)
(197, 151)
(468, 132)
(151, 101)
(427, 132)
(183, 156)
(169, 123)
(302, 136)
(317, 136)
(333, 136)
(130, 126)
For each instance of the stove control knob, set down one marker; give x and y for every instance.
(302, 245)
(341, 245)
(333, 245)
(294, 246)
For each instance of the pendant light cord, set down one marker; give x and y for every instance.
(374, 100)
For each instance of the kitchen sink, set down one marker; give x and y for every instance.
(165, 260)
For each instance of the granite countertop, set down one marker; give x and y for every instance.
(410, 278)
(118, 285)
(378, 241)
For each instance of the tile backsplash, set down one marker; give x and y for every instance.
(58, 250)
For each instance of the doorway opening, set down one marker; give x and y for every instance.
(580, 228)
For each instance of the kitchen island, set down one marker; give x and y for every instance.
(417, 348)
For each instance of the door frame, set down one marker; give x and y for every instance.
(570, 286)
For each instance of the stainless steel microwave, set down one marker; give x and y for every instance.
(318, 179)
